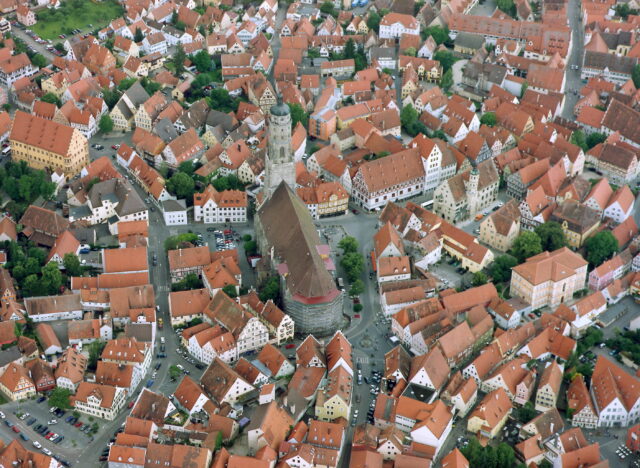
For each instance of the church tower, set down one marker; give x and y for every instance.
(279, 162)
(473, 199)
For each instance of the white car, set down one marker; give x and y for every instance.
(53, 421)
(46, 451)
(162, 339)
(36, 444)
(2, 416)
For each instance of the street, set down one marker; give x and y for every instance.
(573, 80)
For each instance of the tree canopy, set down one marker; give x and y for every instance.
(298, 114)
(601, 247)
(72, 264)
(526, 245)
(551, 236)
(181, 185)
(501, 268)
(105, 124)
(489, 119)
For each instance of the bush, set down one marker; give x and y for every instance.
(358, 307)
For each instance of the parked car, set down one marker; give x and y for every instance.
(46, 451)
(41, 399)
(37, 444)
(15, 429)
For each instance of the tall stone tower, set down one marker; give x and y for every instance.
(279, 164)
(473, 200)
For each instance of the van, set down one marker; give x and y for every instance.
(6, 151)
(479, 216)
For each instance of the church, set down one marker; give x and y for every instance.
(289, 242)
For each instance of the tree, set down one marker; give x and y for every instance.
(202, 61)
(52, 278)
(126, 83)
(635, 76)
(446, 59)
(270, 289)
(230, 290)
(328, 9)
(350, 49)
(479, 278)
(408, 116)
(59, 47)
(526, 413)
(348, 244)
(410, 51)
(106, 124)
(178, 60)
(595, 138)
(526, 245)
(151, 87)
(95, 351)
(250, 247)
(39, 61)
(507, 6)
(111, 97)
(220, 99)
(447, 80)
(298, 114)
(551, 235)
(32, 286)
(357, 288)
(601, 247)
(51, 99)
(181, 185)
(59, 398)
(489, 119)
(138, 36)
(174, 372)
(373, 22)
(578, 139)
(71, 264)
(439, 34)
(501, 268)
(353, 263)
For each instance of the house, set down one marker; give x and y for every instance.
(273, 359)
(26, 16)
(16, 383)
(460, 393)
(174, 212)
(579, 400)
(549, 387)
(620, 205)
(514, 378)
(269, 426)
(577, 220)
(334, 401)
(15, 67)
(228, 206)
(430, 370)
(70, 371)
(48, 339)
(184, 148)
(102, 401)
(616, 394)
(549, 278)
(394, 25)
(47, 308)
(609, 271)
(41, 374)
(222, 384)
(490, 415)
(500, 229)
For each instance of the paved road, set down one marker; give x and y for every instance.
(573, 81)
(40, 48)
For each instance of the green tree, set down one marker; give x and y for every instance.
(410, 51)
(106, 124)
(39, 61)
(526, 413)
(32, 286)
(328, 9)
(601, 247)
(250, 247)
(507, 6)
(447, 80)
(126, 83)
(505, 456)
(551, 236)
(230, 182)
(479, 278)
(230, 290)
(595, 138)
(526, 245)
(357, 288)
(578, 139)
(181, 185)
(298, 114)
(151, 87)
(178, 60)
(52, 278)
(174, 372)
(59, 47)
(489, 119)
(59, 398)
(446, 59)
(270, 289)
(635, 76)
(138, 36)
(348, 244)
(350, 49)
(220, 99)
(501, 268)
(72, 264)
(95, 351)
(111, 97)
(353, 263)
(408, 116)
(51, 99)
(439, 34)
(202, 61)
(373, 22)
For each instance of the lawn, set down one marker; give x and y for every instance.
(75, 14)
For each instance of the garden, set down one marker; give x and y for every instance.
(75, 14)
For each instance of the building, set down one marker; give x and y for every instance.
(228, 206)
(620, 205)
(490, 415)
(295, 250)
(577, 220)
(101, 401)
(70, 371)
(464, 195)
(45, 144)
(500, 229)
(174, 212)
(580, 403)
(549, 387)
(14, 68)
(394, 25)
(549, 278)
(280, 164)
(616, 394)
(16, 383)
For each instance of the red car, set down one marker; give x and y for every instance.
(130, 405)
(16, 429)
(78, 424)
(290, 345)
(356, 316)
(115, 147)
